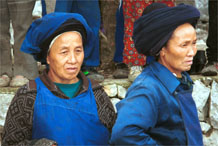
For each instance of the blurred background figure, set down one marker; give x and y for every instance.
(22, 66)
(132, 10)
(212, 50)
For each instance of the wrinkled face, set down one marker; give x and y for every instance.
(65, 58)
(179, 51)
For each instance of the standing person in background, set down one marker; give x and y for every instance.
(212, 42)
(90, 10)
(62, 105)
(159, 103)
(121, 68)
(19, 12)
(132, 10)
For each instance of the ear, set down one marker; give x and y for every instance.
(47, 60)
(163, 51)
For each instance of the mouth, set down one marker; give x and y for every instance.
(72, 69)
(189, 62)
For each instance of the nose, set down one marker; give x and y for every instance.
(192, 51)
(72, 58)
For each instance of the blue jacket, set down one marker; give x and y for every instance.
(155, 112)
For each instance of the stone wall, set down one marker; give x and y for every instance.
(205, 94)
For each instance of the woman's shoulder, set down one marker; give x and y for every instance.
(26, 94)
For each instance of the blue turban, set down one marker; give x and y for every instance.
(43, 30)
(153, 30)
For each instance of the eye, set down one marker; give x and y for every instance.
(79, 50)
(194, 43)
(64, 52)
(184, 44)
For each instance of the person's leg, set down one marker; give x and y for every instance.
(211, 69)
(118, 56)
(5, 49)
(63, 5)
(21, 16)
(91, 12)
(212, 51)
(131, 11)
(44, 10)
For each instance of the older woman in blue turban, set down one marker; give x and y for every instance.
(159, 104)
(62, 106)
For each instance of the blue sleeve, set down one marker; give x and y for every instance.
(137, 113)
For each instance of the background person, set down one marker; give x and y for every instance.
(211, 68)
(19, 12)
(62, 105)
(159, 102)
(132, 10)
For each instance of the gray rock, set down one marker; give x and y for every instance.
(37, 10)
(212, 139)
(201, 45)
(207, 81)
(114, 102)
(121, 92)
(4, 81)
(214, 105)
(134, 72)
(200, 95)
(18, 81)
(111, 90)
(205, 127)
(120, 74)
(96, 77)
(5, 100)
(122, 82)
(209, 70)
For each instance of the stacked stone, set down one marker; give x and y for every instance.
(205, 94)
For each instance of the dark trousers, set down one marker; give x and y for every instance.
(119, 34)
(90, 10)
(212, 51)
(19, 12)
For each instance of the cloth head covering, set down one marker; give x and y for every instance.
(153, 29)
(42, 31)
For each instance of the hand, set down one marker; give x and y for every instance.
(43, 142)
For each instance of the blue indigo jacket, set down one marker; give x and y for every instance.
(155, 112)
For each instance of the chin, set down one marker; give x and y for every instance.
(187, 68)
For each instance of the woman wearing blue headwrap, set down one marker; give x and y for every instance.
(159, 104)
(62, 106)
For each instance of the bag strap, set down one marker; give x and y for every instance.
(32, 85)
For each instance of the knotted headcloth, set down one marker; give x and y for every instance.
(42, 31)
(153, 30)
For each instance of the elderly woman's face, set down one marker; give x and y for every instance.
(65, 58)
(178, 54)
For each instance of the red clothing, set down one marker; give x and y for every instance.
(132, 9)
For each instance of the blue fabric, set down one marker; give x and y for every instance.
(150, 59)
(154, 113)
(152, 30)
(91, 12)
(119, 35)
(44, 10)
(190, 116)
(44, 27)
(67, 121)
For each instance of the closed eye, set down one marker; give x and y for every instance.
(194, 43)
(79, 50)
(64, 52)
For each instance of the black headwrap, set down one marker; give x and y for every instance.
(153, 30)
(69, 25)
